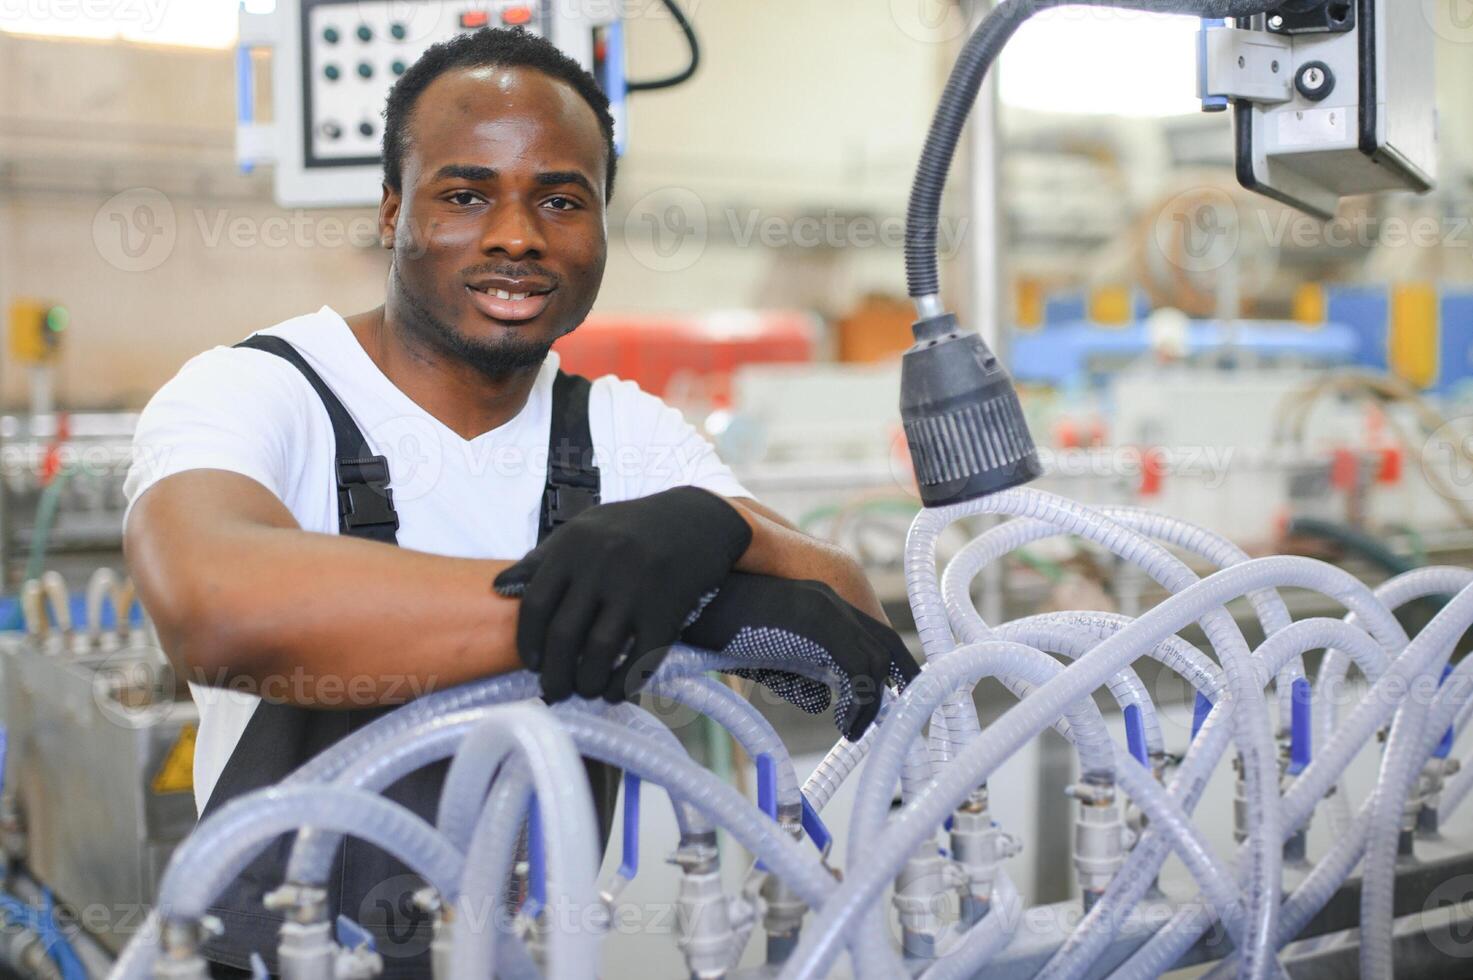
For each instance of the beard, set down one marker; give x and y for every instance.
(496, 360)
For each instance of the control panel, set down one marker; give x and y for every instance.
(333, 63)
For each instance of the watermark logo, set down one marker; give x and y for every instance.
(1447, 459)
(416, 453)
(666, 230)
(133, 685)
(929, 21)
(147, 15)
(1457, 939)
(407, 20)
(135, 230)
(1198, 230)
(1451, 20)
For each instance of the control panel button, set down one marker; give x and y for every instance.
(365, 70)
(399, 31)
(366, 128)
(472, 19)
(398, 67)
(331, 35)
(365, 33)
(332, 72)
(516, 15)
(331, 130)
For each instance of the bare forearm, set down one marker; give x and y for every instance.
(780, 550)
(321, 620)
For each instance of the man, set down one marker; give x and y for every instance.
(440, 422)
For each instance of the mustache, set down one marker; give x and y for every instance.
(522, 270)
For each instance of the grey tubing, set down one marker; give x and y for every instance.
(567, 819)
(738, 716)
(956, 722)
(821, 941)
(221, 847)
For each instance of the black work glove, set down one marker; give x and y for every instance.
(759, 616)
(610, 589)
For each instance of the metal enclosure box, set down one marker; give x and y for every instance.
(85, 749)
(1375, 130)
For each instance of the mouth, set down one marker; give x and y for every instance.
(509, 300)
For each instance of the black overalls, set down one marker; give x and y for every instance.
(367, 885)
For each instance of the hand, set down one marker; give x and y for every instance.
(619, 580)
(758, 616)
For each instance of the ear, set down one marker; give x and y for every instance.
(388, 216)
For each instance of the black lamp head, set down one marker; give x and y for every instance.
(962, 419)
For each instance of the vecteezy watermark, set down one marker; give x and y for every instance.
(1447, 459)
(296, 229)
(1362, 230)
(1451, 20)
(667, 230)
(135, 230)
(145, 14)
(1198, 230)
(138, 230)
(833, 229)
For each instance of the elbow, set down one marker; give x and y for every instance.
(204, 637)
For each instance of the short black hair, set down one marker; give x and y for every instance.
(487, 48)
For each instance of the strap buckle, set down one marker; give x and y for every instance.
(364, 497)
(563, 501)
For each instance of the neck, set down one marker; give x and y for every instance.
(462, 398)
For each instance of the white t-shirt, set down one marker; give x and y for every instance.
(251, 412)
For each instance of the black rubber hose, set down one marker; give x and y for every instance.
(1357, 542)
(690, 69)
(972, 64)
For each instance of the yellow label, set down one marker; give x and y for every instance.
(28, 331)
(176, 775)
(1309, 304)
(1111, 305)
(1030, 299)
(1412, 338)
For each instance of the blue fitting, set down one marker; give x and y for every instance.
(629, 860)
(1300, 740)
(766, 790)
(536, 862)
(245, 92)
(1445, 747)
(1210, 103)
(813, 825)
(351, 935)
(1135, 735)
(1201, 708)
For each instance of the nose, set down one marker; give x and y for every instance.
(513, 230)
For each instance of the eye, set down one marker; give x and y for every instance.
(463, 199)
(561, 203)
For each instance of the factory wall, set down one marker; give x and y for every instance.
(781, 121)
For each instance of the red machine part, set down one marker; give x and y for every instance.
(656, 349)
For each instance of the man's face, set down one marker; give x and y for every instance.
(498, 229)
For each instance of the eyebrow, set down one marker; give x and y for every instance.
(464, 171)
(547, 178)
(552, 178)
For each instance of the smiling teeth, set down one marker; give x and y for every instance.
(503, 294)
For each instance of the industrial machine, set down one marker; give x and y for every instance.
(98, 773)
(334, 61)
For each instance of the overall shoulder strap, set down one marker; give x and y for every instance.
(572, 479)
(365, 502)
